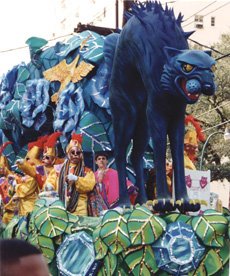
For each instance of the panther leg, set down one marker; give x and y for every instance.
(158, 128)
(123, 124)
(176, 136)
(140, 141)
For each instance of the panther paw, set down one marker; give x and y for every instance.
(164, 205)
(189, 205)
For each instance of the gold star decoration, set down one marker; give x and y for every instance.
(64, 72)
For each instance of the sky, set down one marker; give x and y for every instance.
(21, 19)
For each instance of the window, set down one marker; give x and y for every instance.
(198, 21)
(212, 21)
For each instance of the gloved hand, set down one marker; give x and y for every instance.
(71, 177)
(19, 161)
(49, 187)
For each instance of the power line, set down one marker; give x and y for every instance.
(209, 13)
(199, 11)
(23, 47)
(200, 115)
(216, 126)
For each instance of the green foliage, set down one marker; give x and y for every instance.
(217, 148)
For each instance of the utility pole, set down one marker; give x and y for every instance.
(117, 13)
(126, 6)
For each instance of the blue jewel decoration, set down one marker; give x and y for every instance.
(178, 251)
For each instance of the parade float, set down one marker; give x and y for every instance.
(66, 88)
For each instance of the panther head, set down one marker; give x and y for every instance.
(189, 72)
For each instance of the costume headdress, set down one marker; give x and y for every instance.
(50, 144)
(193, 132)
(76, 141)
(3, 160)
(35, 148)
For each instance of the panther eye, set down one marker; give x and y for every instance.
(213, 68)
(187, 67)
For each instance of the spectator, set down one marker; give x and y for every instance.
(18, 257)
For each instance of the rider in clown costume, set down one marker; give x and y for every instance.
(71, 179)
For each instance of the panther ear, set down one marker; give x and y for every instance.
(171, 52)
(208, 52)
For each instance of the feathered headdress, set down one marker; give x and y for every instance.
(35, 148)
(50, 144)
(199, 134)
(76, 141)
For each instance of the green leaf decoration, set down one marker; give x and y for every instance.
(23, 74)
(36, 43)
(226, 211)
(72, 220)
(224, 271)
(53, 270)
(22, 229)
(9, 231)
(110, 265)
(224, 252)
(141, 260)
(144, 227)
(52, 221)
(95, 136)
(38, 204)
(100, 247)
(122, 268)
(87, 224)
(114, 231)
(47, 247)
(33, 239)
(211, 228)
(213, 262)
(32, 228)
(173, 217)
(20, 89)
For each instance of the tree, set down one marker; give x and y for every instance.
(214, 113)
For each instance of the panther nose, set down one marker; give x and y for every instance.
(208, 89)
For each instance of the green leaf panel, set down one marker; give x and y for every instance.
(53, 220)
(144, 227)
(114, 231)
(109, 266)
(173, 217)
(100, 247)
(47, 247)
(141, 260)
(211, 228)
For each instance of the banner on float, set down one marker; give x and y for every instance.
(198, 186)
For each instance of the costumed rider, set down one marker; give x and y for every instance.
(72, 179)
(8, 181)
(49, 157)
(108, 183)
(193, 134)
(26, 192)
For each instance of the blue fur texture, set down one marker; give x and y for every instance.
(154, 77)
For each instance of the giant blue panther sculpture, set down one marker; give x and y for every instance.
(154, 77)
